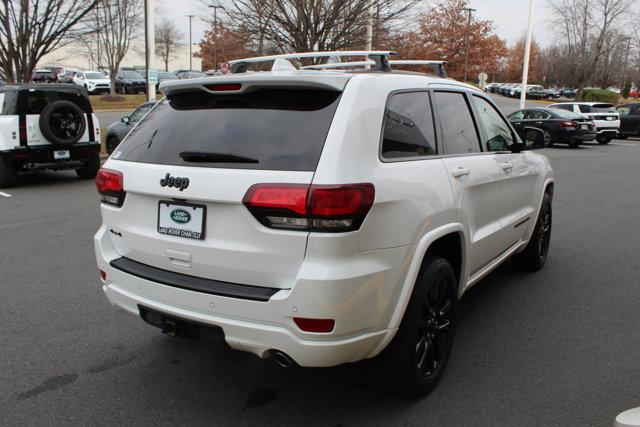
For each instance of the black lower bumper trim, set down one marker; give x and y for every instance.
(193, 283)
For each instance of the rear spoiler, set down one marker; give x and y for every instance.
(235, 83)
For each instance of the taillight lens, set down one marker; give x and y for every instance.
(320, 208)
(567, 124)
(110, 185)
(224, 87)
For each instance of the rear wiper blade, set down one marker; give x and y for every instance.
(213, 157)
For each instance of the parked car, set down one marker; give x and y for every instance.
(533, 91)
(117, 131)
(629, 120)
(557, 126)
(93, 81)
(191, 75)
(216, 217)
(44, 75)
(180, 71)
(66, 75)
(550, 93)
(164, 76)
(605, 117)
(633, 93)
(568, 92)
(491, 87)
(47, 126)
(128, 81)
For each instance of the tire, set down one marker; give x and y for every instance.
(62, 122)
(8, 175)
(415, 359)
(603, 139)
(90, 168)
(535, 253)
(575, 143)
(533, 138)
(112, 143)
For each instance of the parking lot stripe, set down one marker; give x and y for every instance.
(5, 194)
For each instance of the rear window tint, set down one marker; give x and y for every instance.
(283, 129)
(33, 101)
(408, 127)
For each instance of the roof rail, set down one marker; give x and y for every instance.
(379, 57)
(436, 66)
(331, 65)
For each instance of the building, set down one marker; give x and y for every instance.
(75, 55)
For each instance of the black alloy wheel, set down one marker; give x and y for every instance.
(434, 336)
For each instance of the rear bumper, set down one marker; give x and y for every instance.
(359, 301)
(42, 156)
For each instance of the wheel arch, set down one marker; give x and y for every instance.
(449, 241)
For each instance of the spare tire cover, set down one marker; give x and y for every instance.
(62, 122)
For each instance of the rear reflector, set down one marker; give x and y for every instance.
(103, 275)
(323, 208)
(110, 185)
(315, 325)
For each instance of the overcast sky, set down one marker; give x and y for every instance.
(509, 17)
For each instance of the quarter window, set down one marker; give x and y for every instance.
(518, 115)
(499, 136)
(408, 127)
(458, 131)
(538, 115)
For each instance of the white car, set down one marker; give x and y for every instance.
(318, 217)
(47, 127)
(93, 81)
(605, 117)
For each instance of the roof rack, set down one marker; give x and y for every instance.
(379, 57)
(436, 66)
(332, 65)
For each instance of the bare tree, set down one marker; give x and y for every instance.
(168, 38)
(582, 27)
(118, 23)
(306, 25)
(30, 29)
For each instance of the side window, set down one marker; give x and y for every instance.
(499, 136)
(584, 108)
(458, 131)
(518, 115)
(624, 111)
(538, 115)
(635, 111)
(567, 107)
(138, 114)
(408, 127)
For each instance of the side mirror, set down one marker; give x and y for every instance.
(125, 120)
(497, 143)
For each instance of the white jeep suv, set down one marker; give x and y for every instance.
(319, 217)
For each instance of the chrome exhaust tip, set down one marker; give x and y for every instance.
(282, 359)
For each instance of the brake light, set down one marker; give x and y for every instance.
(110, 185)
(222, 87)
(567, 124)
(321, 208)
(315, 325)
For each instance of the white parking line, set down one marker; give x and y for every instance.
(5, 194)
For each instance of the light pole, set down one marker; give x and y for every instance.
(215, 8)
(466, 43)
(626, 63)
(527, 52)
(150, 42)
(190, 43)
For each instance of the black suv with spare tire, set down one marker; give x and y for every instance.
(47, 126)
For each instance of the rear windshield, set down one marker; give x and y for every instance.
(94, 75)
(280, 129)
(564, 114)
(33, 101)
(131, 75)
(597, 108)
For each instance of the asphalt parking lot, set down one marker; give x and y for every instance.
(557, 347)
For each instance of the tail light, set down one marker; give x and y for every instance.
(110, 185)
(224, 87)
(567, 124)
(320, 208)
(22, 128)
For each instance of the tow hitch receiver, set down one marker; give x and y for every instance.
(176, 327)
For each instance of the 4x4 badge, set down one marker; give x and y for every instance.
(170, 181)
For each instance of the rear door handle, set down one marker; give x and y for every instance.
(506, 166)
(460, 172)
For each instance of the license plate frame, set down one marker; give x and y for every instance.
(61, 155)
(584, 127)
(178, 229)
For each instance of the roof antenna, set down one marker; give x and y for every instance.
(281, 64)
